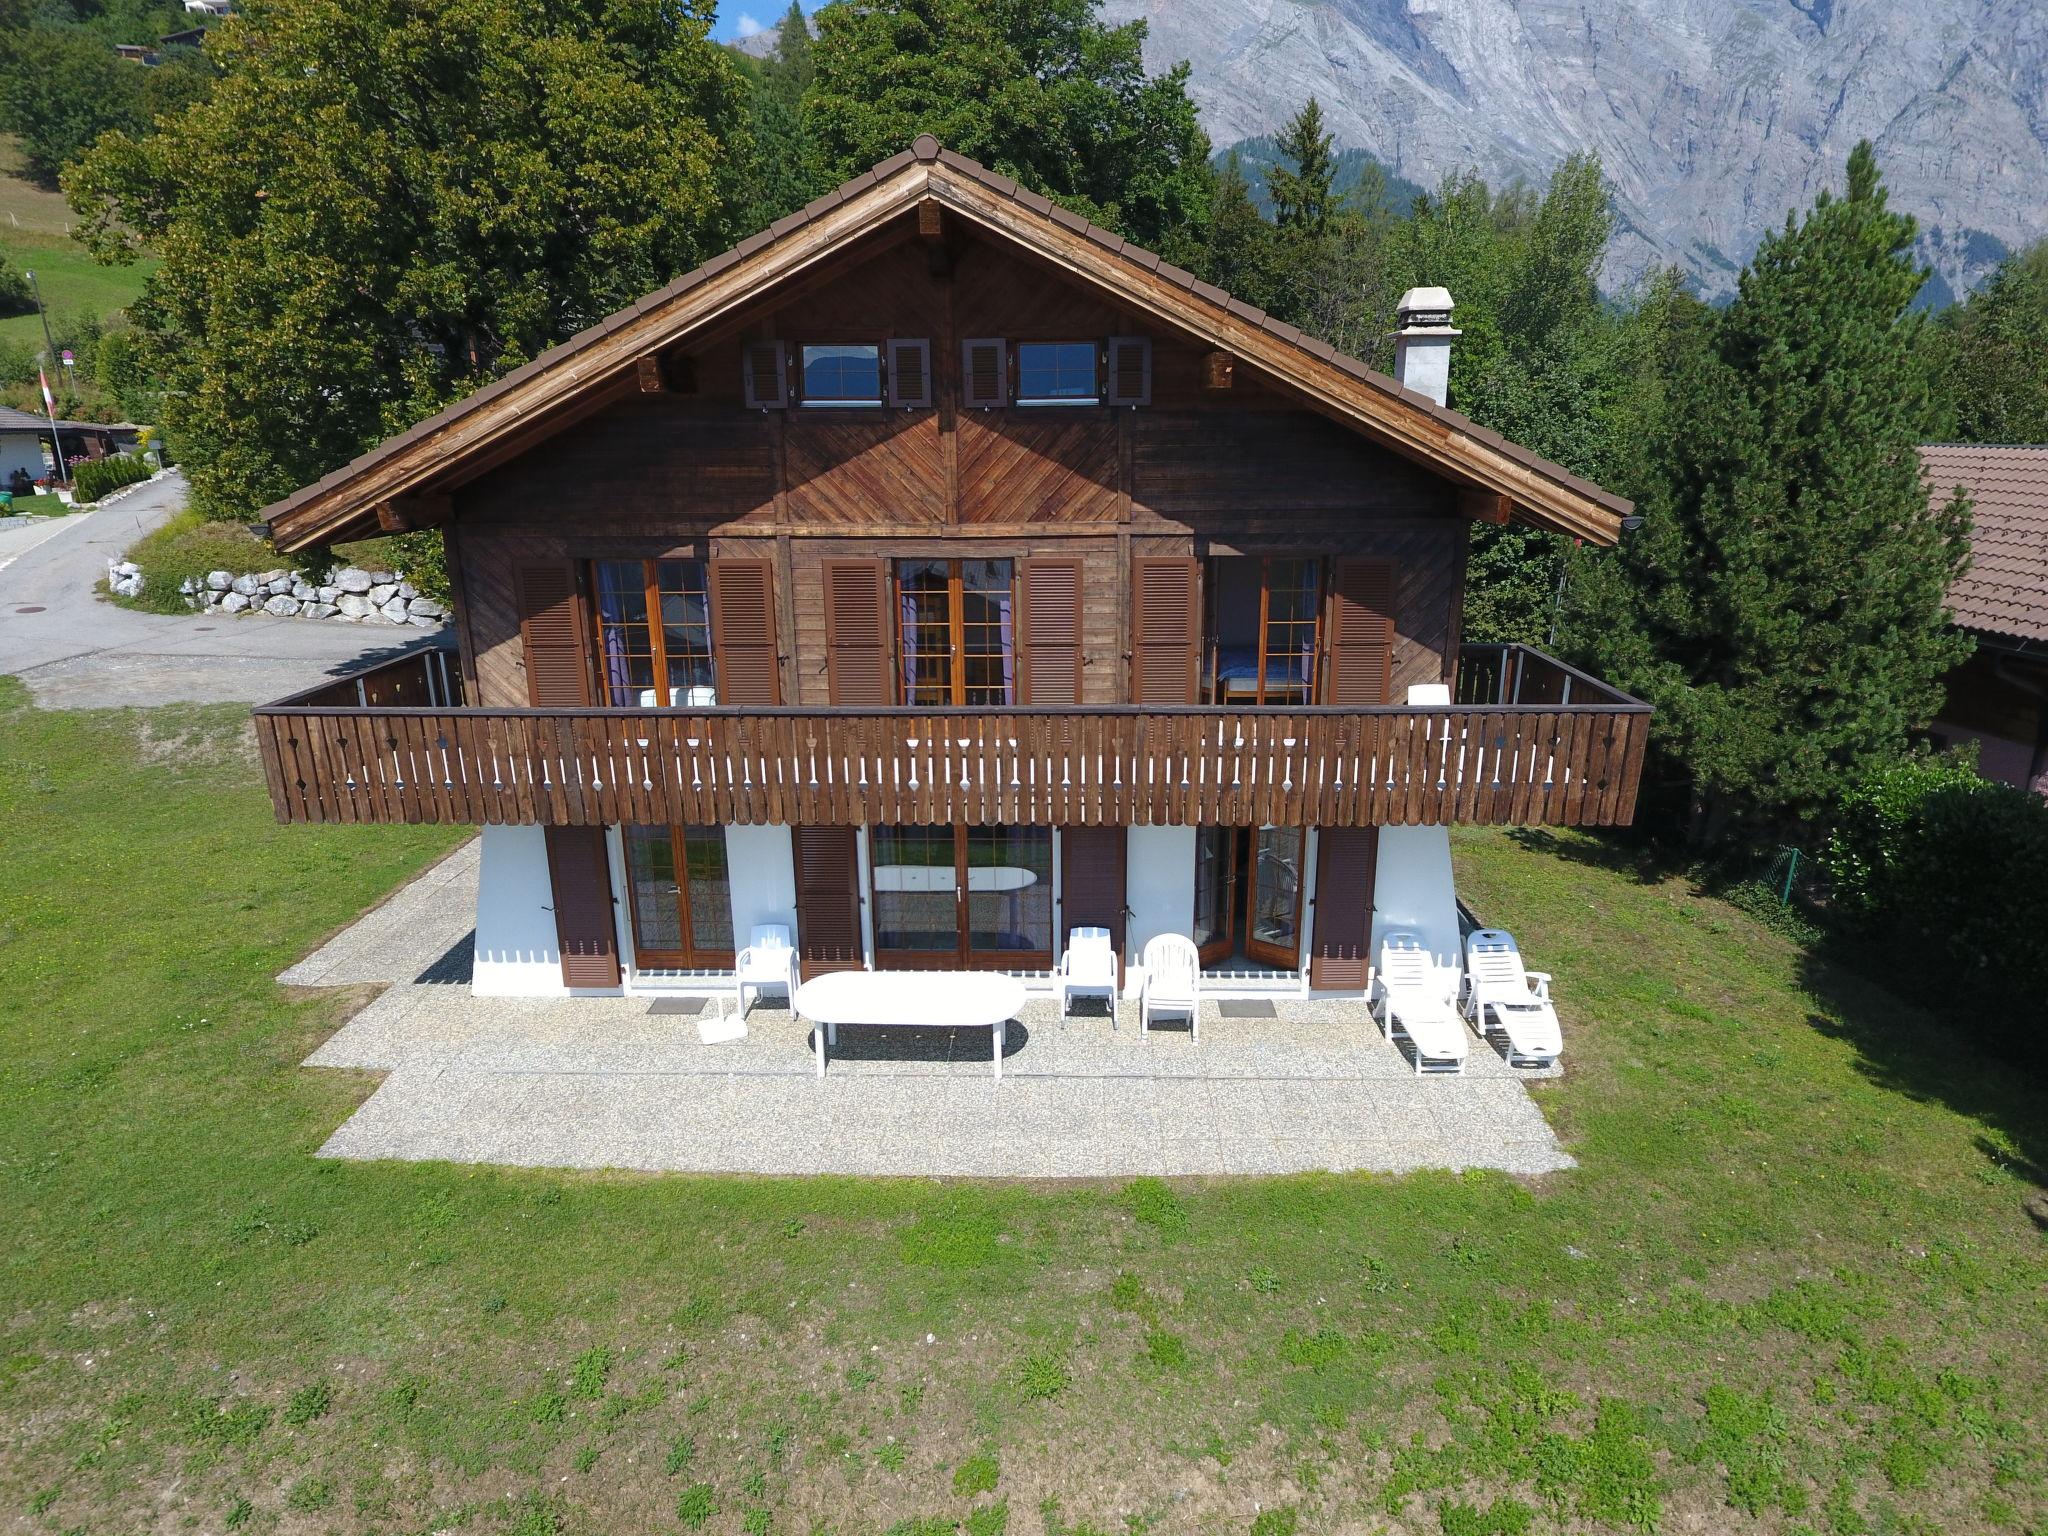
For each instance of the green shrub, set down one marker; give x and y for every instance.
(186, 548)
(1949, 872)
(94, 478)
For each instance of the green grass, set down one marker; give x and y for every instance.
(1793, 1286)
(39, 506)
(190, 546)
(35, 232)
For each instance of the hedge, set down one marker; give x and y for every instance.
(1947, 873)
(93, 478)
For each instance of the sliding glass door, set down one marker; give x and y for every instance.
(974, 897)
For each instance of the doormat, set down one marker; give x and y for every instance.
(1250, 1008)
(677, 1007)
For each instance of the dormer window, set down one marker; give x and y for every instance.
(1059, 373)
(842, 373)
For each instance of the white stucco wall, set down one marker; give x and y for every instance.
(761, 868)
(1412, 889)
(20, 450)
(1159, 887)
(517, 951)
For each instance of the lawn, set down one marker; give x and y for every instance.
(35, 228)
(1795, 1284)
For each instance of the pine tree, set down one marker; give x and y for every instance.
(1782, 605)
(783, 179)
(1304, 197)
(1999, 364)
(1238, 257)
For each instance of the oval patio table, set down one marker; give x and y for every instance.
(909, 1000)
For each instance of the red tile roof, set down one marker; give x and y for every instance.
(2005, 590)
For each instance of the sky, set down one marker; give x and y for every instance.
(743, 18)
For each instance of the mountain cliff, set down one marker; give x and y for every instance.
(1711, 118)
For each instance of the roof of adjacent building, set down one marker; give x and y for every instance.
(422, 457)
(2005, 590)
(12, 420)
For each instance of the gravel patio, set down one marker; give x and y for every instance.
(624, 1083)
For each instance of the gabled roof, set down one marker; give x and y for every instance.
(2005, 590)
(599, 363)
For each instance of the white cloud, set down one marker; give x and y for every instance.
(748, 27)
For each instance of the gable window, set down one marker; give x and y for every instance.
(954, 632)
(842, 373)
(654, 633)
(1058, 373)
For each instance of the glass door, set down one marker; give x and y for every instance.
(954, 638)
(1273, 929)
(681, 896)
(1216, 854)
(972, 897)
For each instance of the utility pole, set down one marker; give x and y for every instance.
(49, 362)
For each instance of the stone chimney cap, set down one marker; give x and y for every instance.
(1426, 309)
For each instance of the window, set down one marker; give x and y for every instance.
(1264, 630)
(1057, 373)
(682, 896)
(842, 373)
(654, 633)
(955, 638)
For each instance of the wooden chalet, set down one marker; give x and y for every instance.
(935, 573)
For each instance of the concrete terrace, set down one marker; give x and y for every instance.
(610, 1083)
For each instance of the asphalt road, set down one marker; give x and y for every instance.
(77, 650)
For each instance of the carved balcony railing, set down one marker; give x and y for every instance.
(1569, 753)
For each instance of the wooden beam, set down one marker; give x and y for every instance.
(651, 381)
(1485, 506)
(407, 514)
(1219, 370)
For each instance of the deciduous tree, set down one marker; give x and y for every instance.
(1995, 353)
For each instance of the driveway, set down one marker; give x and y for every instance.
(77, 650)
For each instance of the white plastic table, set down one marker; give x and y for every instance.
(909, 999)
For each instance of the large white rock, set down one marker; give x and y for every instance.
(419, 623)
(271, 578)
(383, 592)
(394, 610)
(384, 578)
(219, 581)
(352, 579)
(246, 586)
(425, 608)
(326, 594)
(318, 611)
(408, 591)
(303, 591)
(353, 605)
(234, 602)
(284, 607)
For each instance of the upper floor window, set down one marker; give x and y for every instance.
(955, 634)
(1264, 630)
(1058, 373)
(842, 373)
(654, 633)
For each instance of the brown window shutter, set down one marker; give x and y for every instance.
(1361, 630)
(1130, 370)
(553, 635)
(1050, 593)
(743, 632)
(1166, 610)
(580, 873)
(857, 632)
(984, 372)
(1092, 882)
(1339, 949)
(765, 369)
(910, 372)
(827, 899)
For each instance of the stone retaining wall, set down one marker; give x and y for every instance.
(349, 595)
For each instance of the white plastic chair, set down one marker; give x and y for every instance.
(769, 961)
(1173, 982)
(1519, 999)
(1410, 998)
(1089, 965)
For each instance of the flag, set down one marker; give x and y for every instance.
(49, 400)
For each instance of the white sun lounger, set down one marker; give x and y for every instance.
(1519, 1000)
(909, 1000)
(1411, 999)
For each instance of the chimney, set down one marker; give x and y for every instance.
(1422, 347)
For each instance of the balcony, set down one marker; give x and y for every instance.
(1530, 741)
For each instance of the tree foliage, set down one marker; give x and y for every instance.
(1783, 603)
(785, 176)
(1040, 90)
(1994, 351)
(61, 87)
(380, 206)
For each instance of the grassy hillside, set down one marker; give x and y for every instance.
(1794, 1285)
(35, 233)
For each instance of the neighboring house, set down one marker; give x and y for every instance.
(25, 442)
(936, 573)
(1999, 697)
(210, 7)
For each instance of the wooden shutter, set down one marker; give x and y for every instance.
(553, 635)
(827, 899)
(910, 372)
(580, 873)
(1166, 615)
(1049, 593)
(765, 374)
(1361, 629)
(1130, 370)
(857, 632)
(743, 632)
(984, 372)
(1339, 947)
(1092, 882)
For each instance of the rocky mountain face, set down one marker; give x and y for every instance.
(1712, 118)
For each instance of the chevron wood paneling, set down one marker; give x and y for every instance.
(882, 468)
(1020, 468)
